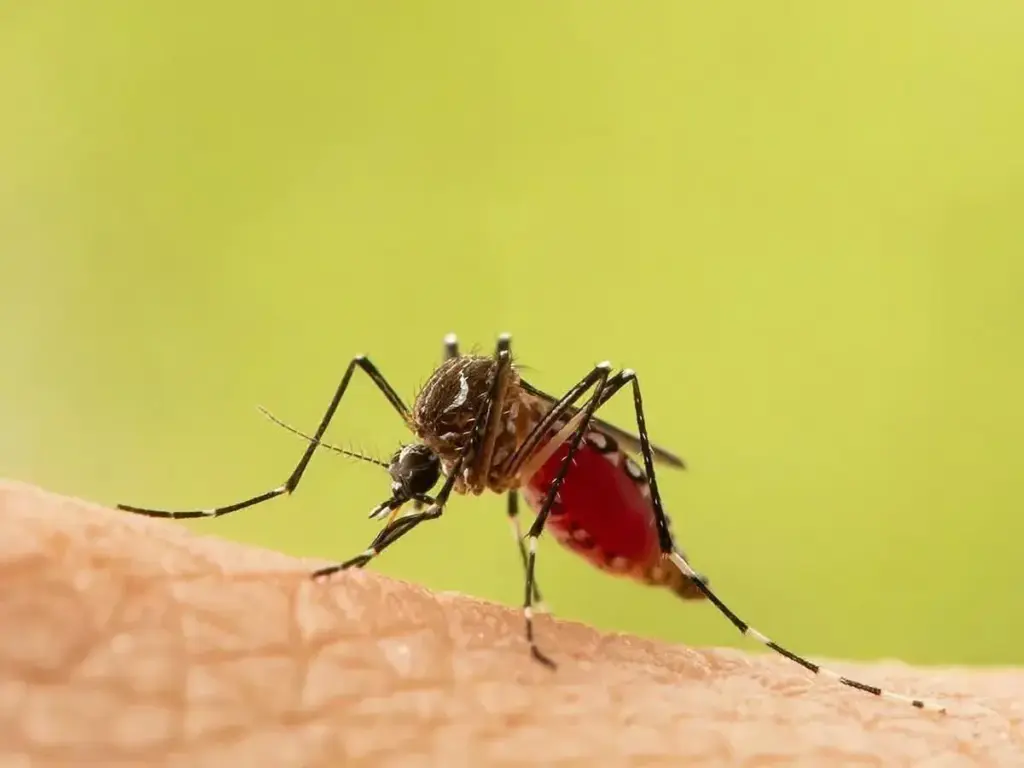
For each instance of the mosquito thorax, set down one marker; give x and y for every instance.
(414, 469)
(445, 412)
(445, 409)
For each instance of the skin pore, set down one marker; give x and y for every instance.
(130, 641)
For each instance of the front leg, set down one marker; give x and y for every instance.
(391, 533)
(396, 528)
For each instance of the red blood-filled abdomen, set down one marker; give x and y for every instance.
(603, 510)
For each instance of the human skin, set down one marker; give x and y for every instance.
(127, 641)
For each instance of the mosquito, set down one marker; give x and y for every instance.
(483, 427)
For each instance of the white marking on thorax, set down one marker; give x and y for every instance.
(460, 398)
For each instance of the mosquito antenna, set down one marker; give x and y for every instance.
(310, 439)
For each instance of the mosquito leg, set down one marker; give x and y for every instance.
(672, 553)
(397, 528)
(451, 346)
(361, 362)
(596, 378)
(387, 536)
(539, 605)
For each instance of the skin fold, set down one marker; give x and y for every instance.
(127, 641)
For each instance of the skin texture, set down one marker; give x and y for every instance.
(131, 641)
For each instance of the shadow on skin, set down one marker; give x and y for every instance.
(131, 641)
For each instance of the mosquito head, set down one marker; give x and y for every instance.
(414, 470)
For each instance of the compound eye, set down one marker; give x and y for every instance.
(395, 466)
(419, 469)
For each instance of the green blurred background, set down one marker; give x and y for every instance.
(800, 222)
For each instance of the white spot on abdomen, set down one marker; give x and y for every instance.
(633, 470)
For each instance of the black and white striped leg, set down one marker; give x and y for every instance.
(539, 606)
(670, 551)
(398, 527)
(816, 669)
(361, 362)
(387, 536)
(597, 379)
